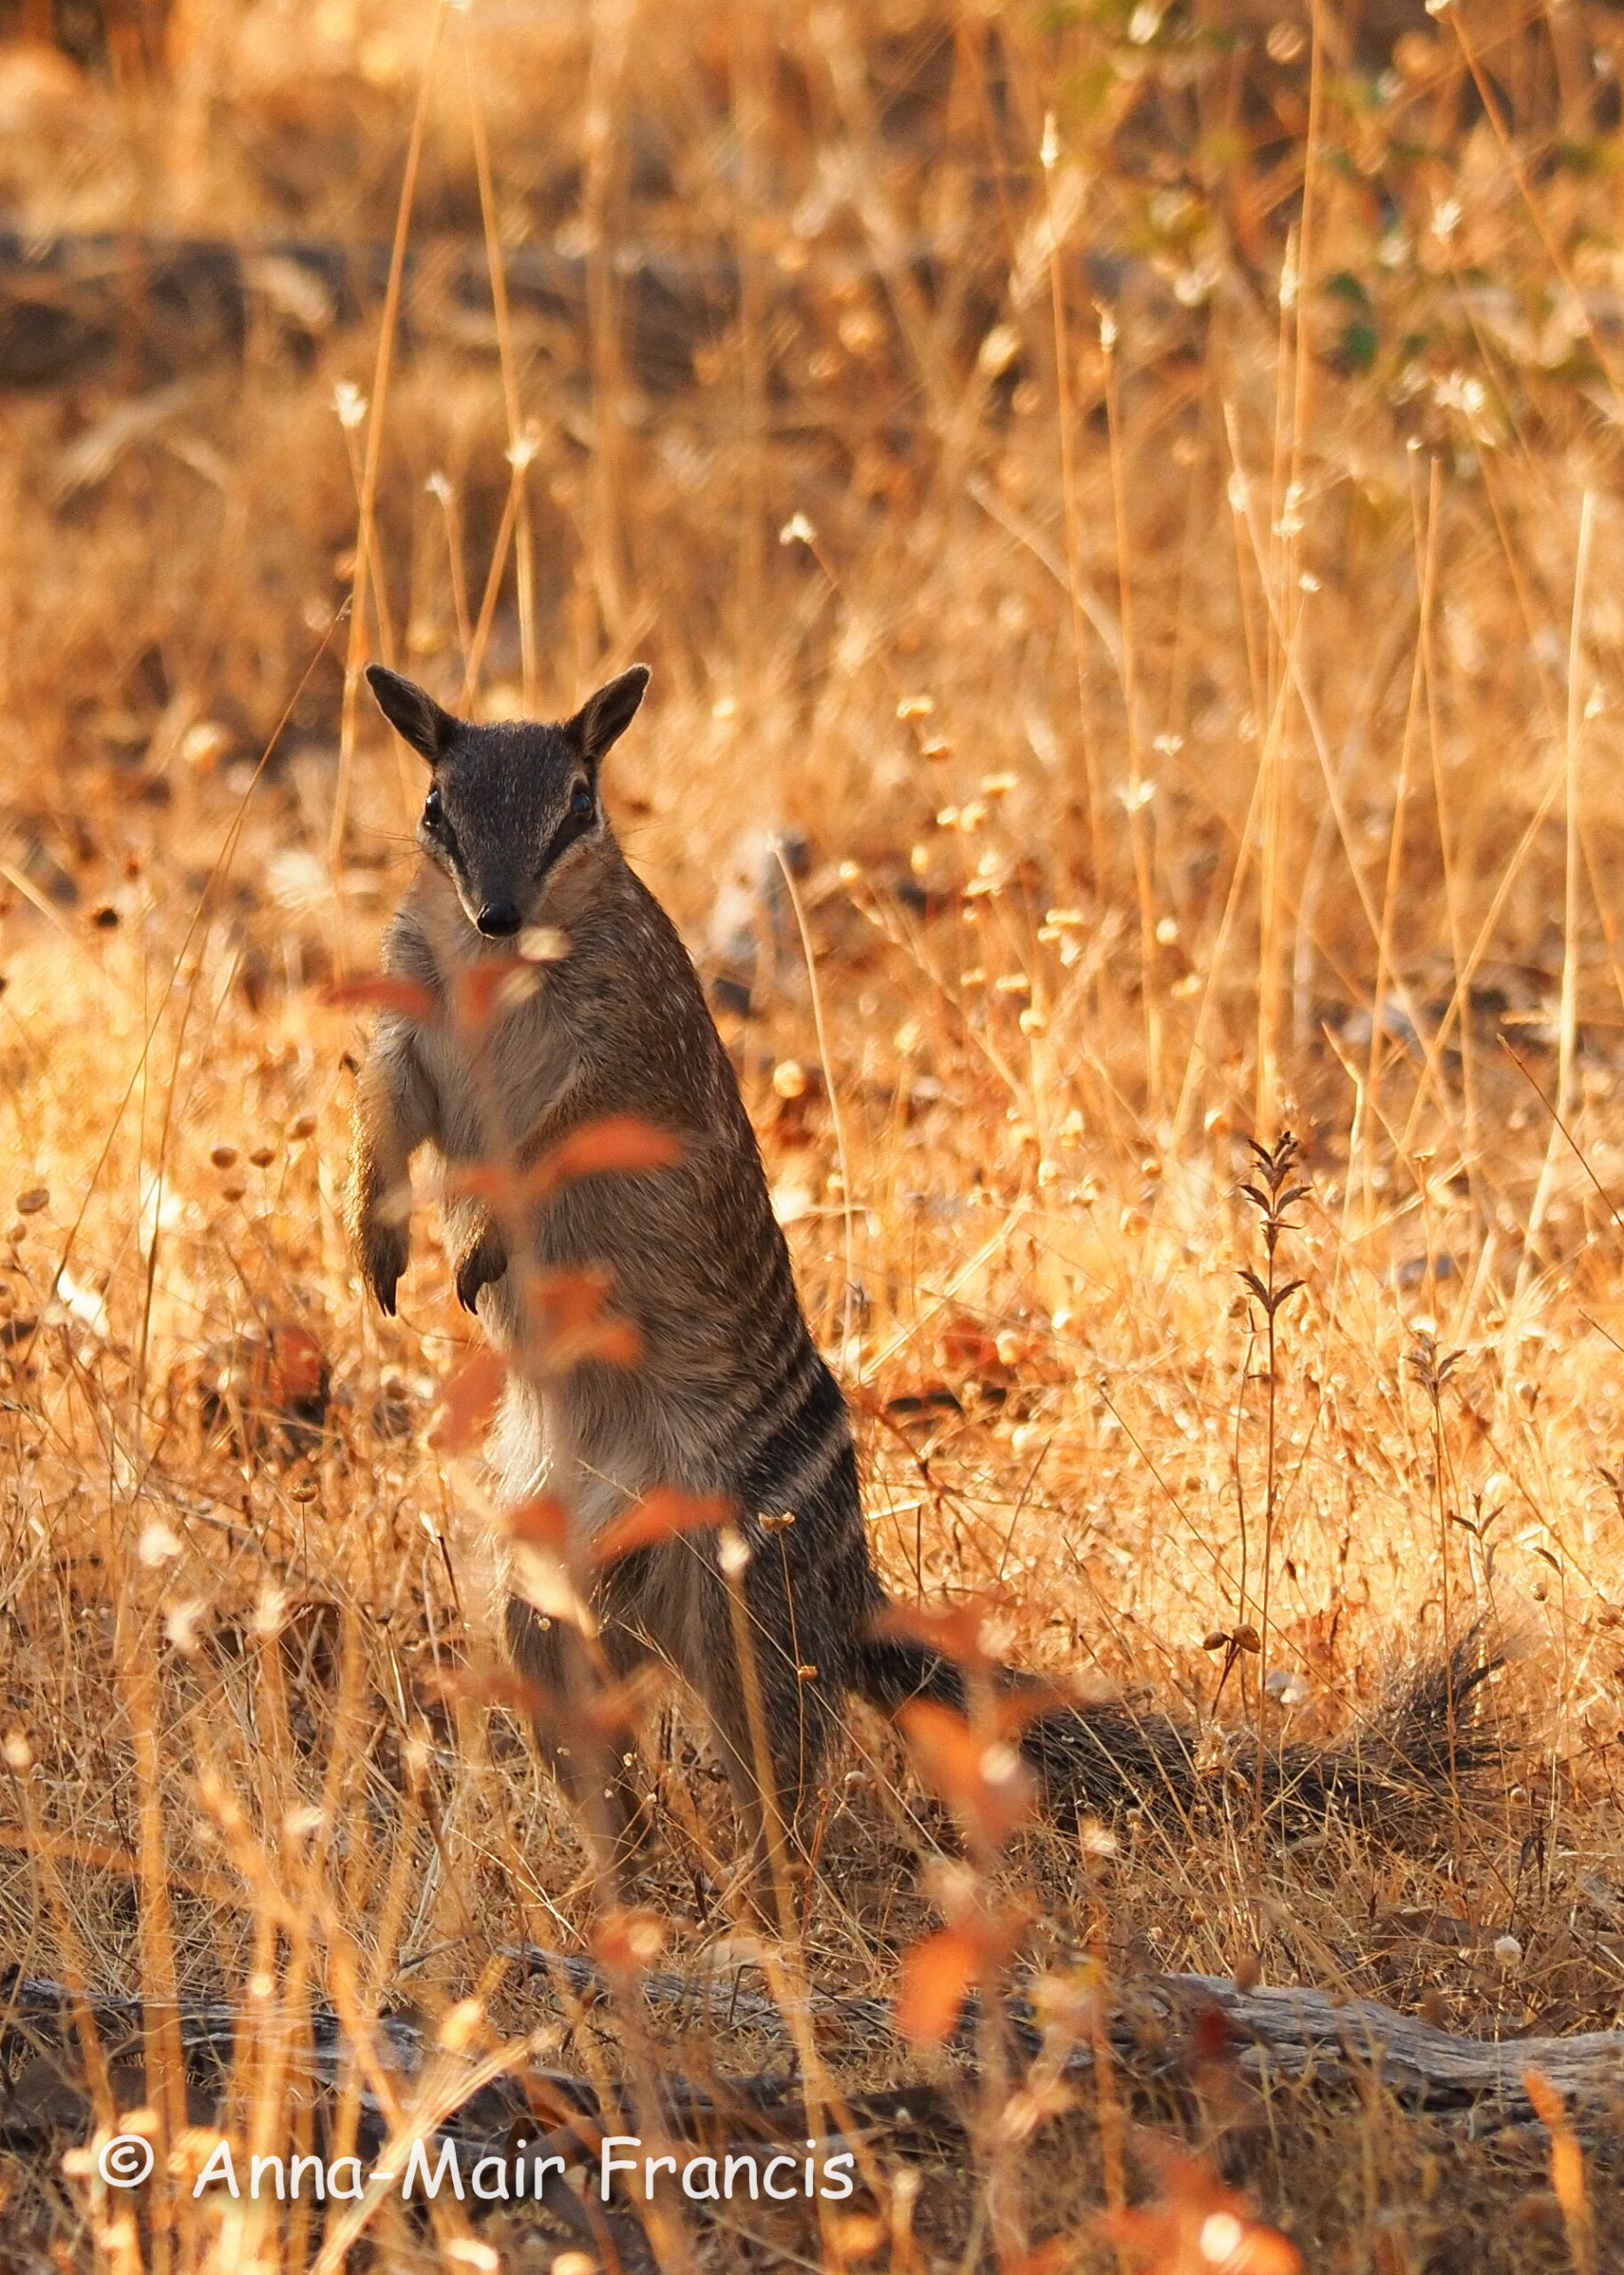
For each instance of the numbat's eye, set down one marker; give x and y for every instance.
(580, 802)
(433, 813)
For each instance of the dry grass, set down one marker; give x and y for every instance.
(1240, 751)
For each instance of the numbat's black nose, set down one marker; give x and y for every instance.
(498, 919)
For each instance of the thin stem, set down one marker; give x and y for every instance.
(356, 656)
(1065, 415)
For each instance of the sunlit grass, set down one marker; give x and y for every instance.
(1243, 759)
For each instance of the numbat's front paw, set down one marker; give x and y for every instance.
(486, 1260)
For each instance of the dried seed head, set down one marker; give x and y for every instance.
(181, 1622)
(952, 1886)
(270, 1614)
(263, 1156)
(630, 1940)
(18, 1753)
(542, 944)
(30, 1203)
(459, 2026)
(223, 1156)
(1220, 2238)
(998, 350)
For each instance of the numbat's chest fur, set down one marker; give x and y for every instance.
(696, 1262)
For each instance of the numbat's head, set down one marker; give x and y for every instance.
(512, 812)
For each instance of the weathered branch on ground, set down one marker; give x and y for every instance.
(1311, 2038)
(1286, 2036)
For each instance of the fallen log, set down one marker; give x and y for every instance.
(145, 309)
(1311, 2038)
(1280, 2035)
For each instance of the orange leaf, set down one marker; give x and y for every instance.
(615, 1342)
(489, 1686)
(1045, 2259)
(494, 983)
(377, 993)
(1014, 1709)
(565, 1310)
(1213, 2037)
(1568, 2161)
(468, 1402)
(541, 1522)
(853, 2237)
(619, 1142)
(964, 1632)
(483, 1181)
(561, 1302)
(987, 1785)
(1200, 2227)
(630, 1940)
(660, 1515)
(609, 1715)
(938, 1976)
(966, 1344)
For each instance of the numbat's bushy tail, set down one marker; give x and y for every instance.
(1425, 1739)
(729, 1397)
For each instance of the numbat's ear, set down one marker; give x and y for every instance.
(604, 717)
(411, 712)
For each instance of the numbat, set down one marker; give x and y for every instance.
(729, 1397)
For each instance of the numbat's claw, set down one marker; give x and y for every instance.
(486, 1261)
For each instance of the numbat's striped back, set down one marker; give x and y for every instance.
(730, 1397)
